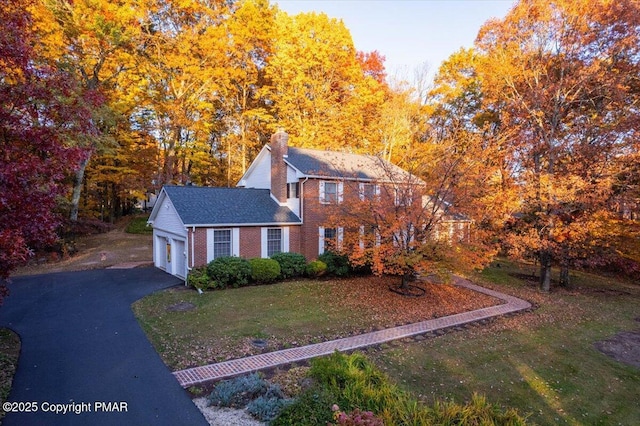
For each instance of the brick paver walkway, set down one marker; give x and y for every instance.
(226, 369)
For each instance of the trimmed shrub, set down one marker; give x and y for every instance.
(316, 268)
(337, 264)
(199, 279)
(229, 272)
(264, 270)
(291, 264)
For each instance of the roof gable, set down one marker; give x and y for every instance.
(199, 206)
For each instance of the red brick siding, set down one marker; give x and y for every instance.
(315, 213)
(250, 239)
(250, 243)
(313, 216)
(294, 239)
(199, 255)
(279, 149)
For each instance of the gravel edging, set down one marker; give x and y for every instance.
(220, 416)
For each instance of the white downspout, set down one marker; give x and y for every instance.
(302, 199)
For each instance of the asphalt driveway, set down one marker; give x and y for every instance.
(83, 351)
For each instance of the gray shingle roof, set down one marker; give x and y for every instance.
(314, 162)
(199, 205)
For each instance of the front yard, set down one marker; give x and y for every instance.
(544, 363)
(190, 329)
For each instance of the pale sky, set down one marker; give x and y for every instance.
(407, 32)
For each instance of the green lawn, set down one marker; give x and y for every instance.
(222, 324)
(543, 363)
(226, 319)
(138, 225)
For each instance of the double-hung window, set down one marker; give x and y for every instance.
(368, 191)
(330, 239)
(330, 192)
(274, 241)
(293, 190)
(221, 243)
(404, 196)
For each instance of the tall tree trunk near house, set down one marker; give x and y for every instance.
(229, 163)
(404, 283)
(545, 271)
(565, 278)
(565, 262)
(78, 182)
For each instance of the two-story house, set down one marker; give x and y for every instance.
(279, 205)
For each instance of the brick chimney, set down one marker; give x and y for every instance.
(279, 151)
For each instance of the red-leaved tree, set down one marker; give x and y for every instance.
(41, 110)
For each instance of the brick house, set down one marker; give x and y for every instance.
(279, 205)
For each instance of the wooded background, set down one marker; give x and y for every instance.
(533, 133)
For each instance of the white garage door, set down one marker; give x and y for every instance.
(180, 258)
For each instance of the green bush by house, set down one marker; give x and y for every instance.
(291, 264)
(315, 268)
(199, 278)
(264, 270)
(229, 272)
(337, 264)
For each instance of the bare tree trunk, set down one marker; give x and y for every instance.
(565, 278)
(404, 283)
(229, 163)
(77, 187)
(545, 272)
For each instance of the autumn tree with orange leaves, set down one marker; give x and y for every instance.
(401, 225)
(564, 77)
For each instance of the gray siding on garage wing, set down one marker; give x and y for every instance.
(167, 218)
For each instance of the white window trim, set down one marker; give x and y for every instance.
(361, 186)
(361, 240)
(402, 195)
(339, 234)
(235, 242)
(339, 191)
(289, 191)
(284, 243)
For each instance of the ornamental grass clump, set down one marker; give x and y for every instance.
(267, 407)
(362, 395)
(238, 392)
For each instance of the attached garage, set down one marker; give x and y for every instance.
(194, 225)
(169, 239)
